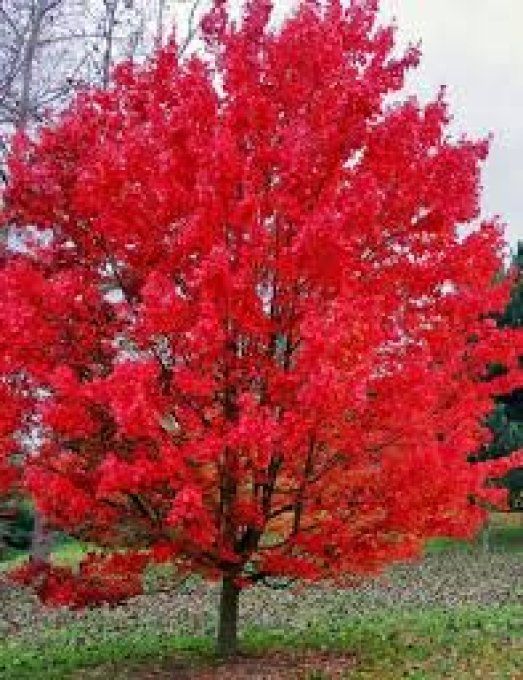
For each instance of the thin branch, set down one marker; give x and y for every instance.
(191, 28)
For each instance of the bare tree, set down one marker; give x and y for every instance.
(42, 61)
(132, 28)
(32, 37)
(49, 48)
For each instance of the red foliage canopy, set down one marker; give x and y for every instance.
(254, 321)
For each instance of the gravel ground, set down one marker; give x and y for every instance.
(444, 580)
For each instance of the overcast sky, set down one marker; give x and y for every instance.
(475, 47)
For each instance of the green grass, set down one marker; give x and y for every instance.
(507, 537)
(57, 653)
(433, 644)
(69, 553)
(500, 538)
(443, 545)
(65, 554)
(428, 643)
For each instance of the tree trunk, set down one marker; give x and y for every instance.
(485, 536)
(41, 540)
(227, 644)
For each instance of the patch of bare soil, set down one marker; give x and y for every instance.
(282, 665)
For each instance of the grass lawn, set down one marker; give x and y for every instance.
(457, 614)
(66, 553)
(505, 532)
(477, 642)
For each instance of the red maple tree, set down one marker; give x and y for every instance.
(252, 324)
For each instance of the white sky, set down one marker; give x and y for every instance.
(475, 48)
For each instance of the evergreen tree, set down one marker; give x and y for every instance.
(506, 420)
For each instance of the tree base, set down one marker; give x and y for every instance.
(227, 641)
